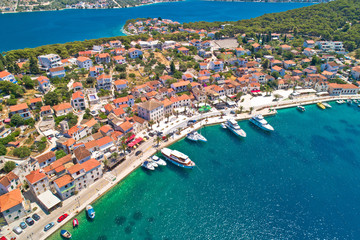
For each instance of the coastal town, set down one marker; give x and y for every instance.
(71, 126)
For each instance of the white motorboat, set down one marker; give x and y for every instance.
(148, 166)
(301, 108)
(233, 126)
(341, 101)
(327, 105)
(223, 125)
(153, 163)
(259, 121)
(177, 158)
(349, 101)
(158, 160)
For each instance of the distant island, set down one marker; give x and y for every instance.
(45, 5)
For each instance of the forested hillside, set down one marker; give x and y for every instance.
(337, 20)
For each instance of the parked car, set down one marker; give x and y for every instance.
(48, 226)
(62, 217)
(53, 149)
(23, 225)
(17, 230)
(30, 221)
(36, 217)
(138, 153)
(151, 134)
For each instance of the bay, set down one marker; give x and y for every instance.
(32, 29)
(299, 182)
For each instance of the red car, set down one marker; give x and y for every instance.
(62, 217)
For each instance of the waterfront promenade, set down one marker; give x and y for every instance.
(77, 203)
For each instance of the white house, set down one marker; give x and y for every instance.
(135, 53)
(37, 181)
(120, 84)
(65, 186)
(44, 83)
(6, 76)
(84, 62)
(78, 101)
(9, 182)
(50, 61)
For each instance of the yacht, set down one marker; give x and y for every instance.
(341, 101)
(192, 137)
(259, 121)
(223, 125)
(301, 108)
(148, 165)
(177, 158)
(158, 160)
(327, 105)
(200, 137)
(320, 105)
(90, 211)
(233, 126)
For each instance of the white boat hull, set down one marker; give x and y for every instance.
(268, 127)
(178, 164)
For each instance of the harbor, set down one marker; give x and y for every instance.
(148, 196)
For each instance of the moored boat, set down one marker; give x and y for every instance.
(341, 101)
(148, 165)
(327, 105)
(192, 137)
(200, 137)
(153, 163)
(75, 222)
(233, 126)
(177, 158)
(259, 121)
(300, 108)
(223, 125)
(158, 160)
(320, 105)
(355, 101)
(349, 101)
(65, 234)
(90, 211)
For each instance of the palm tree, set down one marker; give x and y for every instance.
(157, 140)
(241, 109)
(251, 109)
(151, 122)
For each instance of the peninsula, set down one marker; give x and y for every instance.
(78, 117)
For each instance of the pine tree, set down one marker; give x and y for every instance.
(34, 68)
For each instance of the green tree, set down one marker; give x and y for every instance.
(9, 166)
(22, 152)
(3, 150)
(51, 98)
(172, 67)
(28, 82)
(59, 154)
(17, 120)
(34, 68)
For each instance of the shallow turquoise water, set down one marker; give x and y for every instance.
(33, 29)
(299, 182)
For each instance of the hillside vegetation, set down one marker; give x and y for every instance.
(337, 20)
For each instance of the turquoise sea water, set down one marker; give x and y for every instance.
(40, 28)
(299, 182)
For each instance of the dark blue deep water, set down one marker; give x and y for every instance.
(299, 182)
(33, 29)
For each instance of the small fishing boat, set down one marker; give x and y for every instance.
(148, 166)
(355, 101)
(300, 108)
(75, 223)
(358, 105)
(349, 101)
(327, 105)
(90, 211)
(158, 160)
(320, 105)
(223, 125)
(65, 234)
(341, 101)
